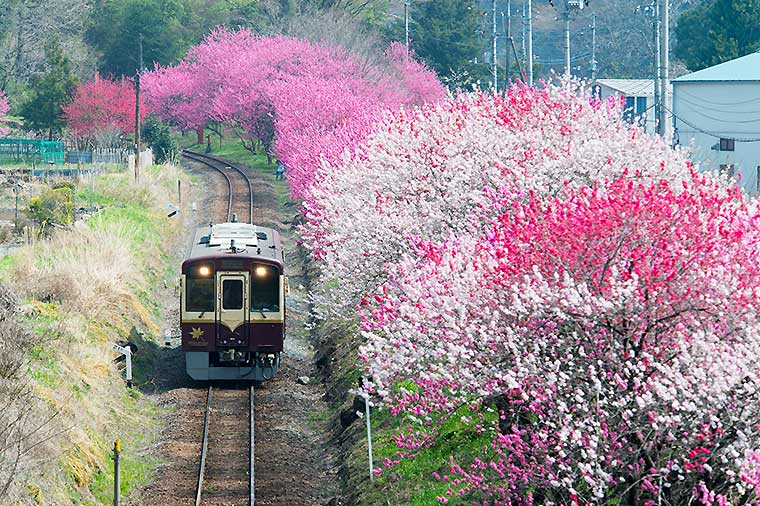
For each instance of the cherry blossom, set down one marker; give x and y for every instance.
(4, 108)
(103, 105)
(303, 101)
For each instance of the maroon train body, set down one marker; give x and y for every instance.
(232, 303)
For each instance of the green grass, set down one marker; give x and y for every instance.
(135, 218)
(136, 469)
(6, 265)
(412, 481)
(43, 366)
(142, 224)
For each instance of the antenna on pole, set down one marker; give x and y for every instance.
(658, 68)
(664, 71)
(508, 33)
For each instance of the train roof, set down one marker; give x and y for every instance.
(250, 241)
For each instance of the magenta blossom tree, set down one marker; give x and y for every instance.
(612, 328)
(4, 108)
(103, 109)
(567, 280)
(303, 101)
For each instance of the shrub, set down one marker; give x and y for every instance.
(157, 135)
(55, 206)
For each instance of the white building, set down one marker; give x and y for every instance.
(717, 111)
(638, 95)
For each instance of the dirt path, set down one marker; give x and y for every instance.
(294, 464)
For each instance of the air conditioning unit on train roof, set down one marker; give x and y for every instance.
(222, 235)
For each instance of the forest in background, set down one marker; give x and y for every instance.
(79, 38)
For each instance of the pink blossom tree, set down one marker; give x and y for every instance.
(103, 109)
(4, 108)
(569, 279)
(612, 327)
(427, 173)
(304, 102)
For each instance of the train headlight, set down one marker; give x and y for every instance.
(261, 271)
(204, 270)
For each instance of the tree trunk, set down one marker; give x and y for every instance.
(200, 135)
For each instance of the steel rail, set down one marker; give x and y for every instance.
(250, 451)
(204, 448)
(195, 157)
(210, 161)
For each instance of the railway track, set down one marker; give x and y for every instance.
(232, 174)
(225, 474)
(220, 476)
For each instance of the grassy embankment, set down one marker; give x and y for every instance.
(82, 288)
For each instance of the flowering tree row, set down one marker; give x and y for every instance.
(575, 284)
(303, 101)
(103, 109)
(4, 108)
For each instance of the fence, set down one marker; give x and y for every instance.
(110, 156)
(31, 151)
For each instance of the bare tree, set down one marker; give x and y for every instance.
(27, 25)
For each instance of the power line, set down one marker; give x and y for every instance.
(713, 134)
(744, 121)
(711, 102)
(722, 110)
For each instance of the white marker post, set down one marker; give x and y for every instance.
(127, 352)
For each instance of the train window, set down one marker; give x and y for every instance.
(265, 289)
(200, 295)
(232, 294)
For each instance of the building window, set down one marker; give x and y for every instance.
(726, 144)
(641, 111)
(728, 169)
(628, 109)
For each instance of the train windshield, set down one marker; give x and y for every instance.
(232, 294)
(265, 289)
(200, 295)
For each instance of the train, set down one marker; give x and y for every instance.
(232, 303)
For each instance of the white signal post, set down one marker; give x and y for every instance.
(127, 352)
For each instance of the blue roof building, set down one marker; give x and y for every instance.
(716, 112)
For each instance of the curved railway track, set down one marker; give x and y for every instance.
(221, 468)
(231, 173)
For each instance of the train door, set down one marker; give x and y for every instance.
(233, 309)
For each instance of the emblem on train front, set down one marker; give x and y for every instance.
(196, 333)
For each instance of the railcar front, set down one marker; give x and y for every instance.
(233, 303)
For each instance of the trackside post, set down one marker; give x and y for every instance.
(369, 435)
(116, 473)
(127, 352)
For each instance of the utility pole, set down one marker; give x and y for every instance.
(593, 47)
(507, 69)
(137, 108)
(658, 71)
(529, 45)
(494, 66)
(523, 53)
(664, 72)
(566, 17)
(406, 25)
